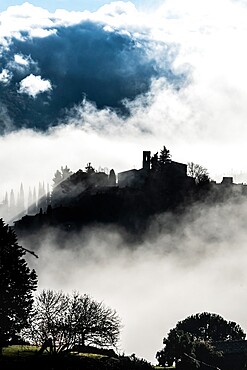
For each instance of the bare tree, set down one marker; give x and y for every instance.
(96, 324)
(199, 173)
(68, 321)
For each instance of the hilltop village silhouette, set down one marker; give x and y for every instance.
(129, 199)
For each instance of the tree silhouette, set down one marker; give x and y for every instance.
(65, 172)
(20, 201)
(57, 178)
(62, 175)
(158, 161)
(71, 321)
(112, 178)
(164, 157)
(89, 168)
(211, 327)
(189, 335)
(199, 173)
(12, 199)
(17, 284)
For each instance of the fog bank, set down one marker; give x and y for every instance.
(194, 265)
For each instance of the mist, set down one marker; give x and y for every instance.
(190, 95)
(183, 265)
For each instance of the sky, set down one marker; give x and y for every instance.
(78, 5)
(100, 82)
(121, 79)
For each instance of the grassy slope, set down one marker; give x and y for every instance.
(19, 351)
(22, 351)
(26, 358)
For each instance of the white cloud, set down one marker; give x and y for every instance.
(22, 64)
(34, 85)
(40, 32)
(38, 22)
(5, 76)
(199, 121)
(20, 59)
(25, 17)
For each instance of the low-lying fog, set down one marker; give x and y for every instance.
(198, 265)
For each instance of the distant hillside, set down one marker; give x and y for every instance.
(130, 201)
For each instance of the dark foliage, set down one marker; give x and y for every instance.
(17, 284)
(195, 336)
(165, 156)
(210, 327)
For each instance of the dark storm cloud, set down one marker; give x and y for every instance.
(83, 60)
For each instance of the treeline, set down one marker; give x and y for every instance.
(17, 205)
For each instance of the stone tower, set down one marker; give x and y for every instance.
(146, 160)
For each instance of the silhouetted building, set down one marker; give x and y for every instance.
(146, 160)
(227, 189)
(176, 168)
(128, 178)
(138, 178)
(227, 181)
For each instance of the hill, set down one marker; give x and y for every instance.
(27, 358)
